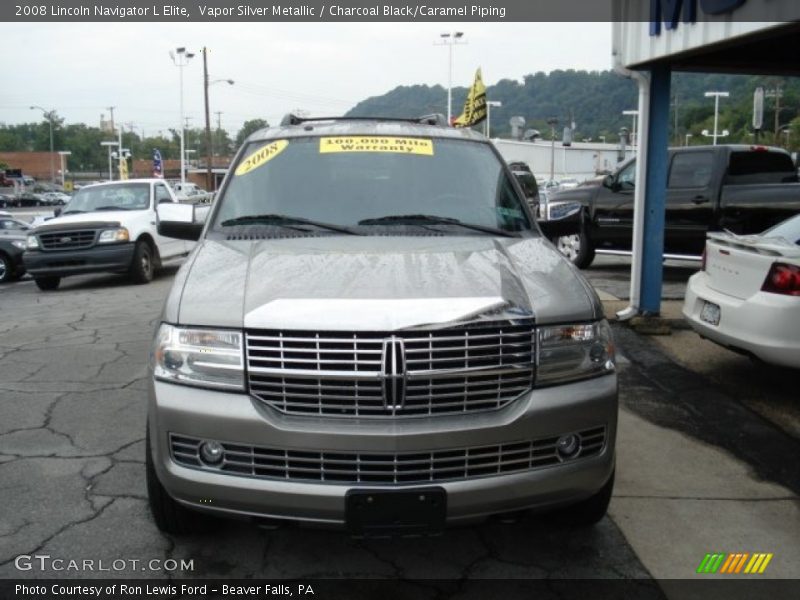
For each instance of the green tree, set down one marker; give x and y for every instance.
(249, 127)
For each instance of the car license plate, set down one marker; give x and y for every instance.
(710, 313)
(396, 512)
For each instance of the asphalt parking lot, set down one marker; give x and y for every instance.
(700, 468)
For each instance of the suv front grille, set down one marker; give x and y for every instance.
(67, 240)
(384, 468)
(408, 373)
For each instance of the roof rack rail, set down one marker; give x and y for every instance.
(436, 119)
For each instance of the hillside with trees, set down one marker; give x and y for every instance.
(594, 100)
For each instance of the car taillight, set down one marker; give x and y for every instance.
(782, 279)
(703, 261)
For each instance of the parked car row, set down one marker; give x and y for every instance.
(28, 199)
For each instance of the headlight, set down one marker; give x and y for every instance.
(32, 243)
(109, 236)
(203, 357)
(570, 352)
(19, 244)
(562, 210)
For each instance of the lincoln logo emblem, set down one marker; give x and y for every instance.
(393, 373)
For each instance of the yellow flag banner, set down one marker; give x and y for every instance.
(475, 106)
(123, 168)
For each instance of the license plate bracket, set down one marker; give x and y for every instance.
(710, 313)
(396, 512)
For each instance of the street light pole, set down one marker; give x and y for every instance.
(181, 58)
(209, 151)
(552, 121)
(716, 96)
(489, 105)
(634, 114)
(450, 40)
(49, 116)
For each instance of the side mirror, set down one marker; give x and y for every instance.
(608, 181)
(57, 212)
(179, 221)
(165, 201)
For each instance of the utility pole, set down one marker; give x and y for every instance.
(208, 120)
(776, 93)
(111, 110)
(219, 119)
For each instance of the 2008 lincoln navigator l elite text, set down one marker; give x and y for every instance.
(373, 332)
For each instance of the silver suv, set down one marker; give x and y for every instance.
(373, 332)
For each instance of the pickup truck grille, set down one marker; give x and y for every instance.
(67, 240)
(384, 468)
(376, 374)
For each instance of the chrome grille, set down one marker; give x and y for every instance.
(67, 240)
(444, 371)
(384, 468)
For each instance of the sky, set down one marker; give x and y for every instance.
(324, 68)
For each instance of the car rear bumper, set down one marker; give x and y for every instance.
(114, 257)
(239, 419)
(766, 325)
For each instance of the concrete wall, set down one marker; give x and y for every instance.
(582, 160)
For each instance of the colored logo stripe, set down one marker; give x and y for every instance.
(734, 563)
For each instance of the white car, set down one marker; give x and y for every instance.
(747, 296)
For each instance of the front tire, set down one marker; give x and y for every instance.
(170, 516)
(6, 270)
(47, 284)
(578, 248)
(141, 270)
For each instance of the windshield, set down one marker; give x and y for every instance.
(352, 181)
(124, 196)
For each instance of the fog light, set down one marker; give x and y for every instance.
(212, 452)
(568, 445)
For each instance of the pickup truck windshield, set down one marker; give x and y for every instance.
(124, 196)
(354, 181)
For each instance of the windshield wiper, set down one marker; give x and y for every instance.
(436, 220)
(72, 212)
(111, 208)
(285, 221)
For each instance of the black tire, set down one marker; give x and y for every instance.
(47, 284)
(590, 511)
(170, 517)
(143, 265)
(579, 248)
(6, 269)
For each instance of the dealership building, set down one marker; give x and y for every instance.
(651, 40)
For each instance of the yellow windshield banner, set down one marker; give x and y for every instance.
(261, 156)
(399, 145)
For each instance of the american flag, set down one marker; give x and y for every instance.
(157, 168)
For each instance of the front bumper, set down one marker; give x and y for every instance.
(765, 325)
(238, 418)
(98, 259)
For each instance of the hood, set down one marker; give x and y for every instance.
(110, 218)
(380, 283)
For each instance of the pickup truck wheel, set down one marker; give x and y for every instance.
(142, 265)
(47, 284)
(170, 517)
(577, 248)
(5, 268)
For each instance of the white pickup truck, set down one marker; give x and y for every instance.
(190, 193)
(105, 227)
